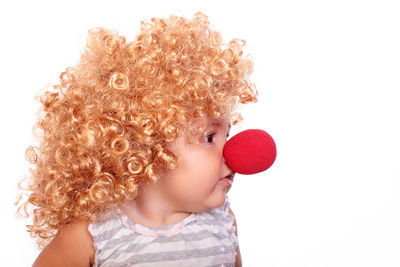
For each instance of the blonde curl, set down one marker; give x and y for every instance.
(135, 165)
(119, 81)
(100, 190)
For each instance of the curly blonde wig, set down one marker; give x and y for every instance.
(103, 128)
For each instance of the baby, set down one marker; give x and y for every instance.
(129, 169)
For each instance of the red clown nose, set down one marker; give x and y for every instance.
(250, 152)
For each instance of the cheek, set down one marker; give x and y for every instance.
(206, 171)
(202, 161)
(197, 168)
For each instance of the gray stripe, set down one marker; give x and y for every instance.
(105, 235)
(201, 222)
(135, 247)
(171, 256)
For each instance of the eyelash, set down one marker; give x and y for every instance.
(212, 135)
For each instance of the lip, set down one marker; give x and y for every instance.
(227, 179)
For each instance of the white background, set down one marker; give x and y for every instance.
(328, 79)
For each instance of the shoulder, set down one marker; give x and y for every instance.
(71, 246)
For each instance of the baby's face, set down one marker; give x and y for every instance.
(196, 185)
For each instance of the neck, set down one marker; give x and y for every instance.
(151, 208)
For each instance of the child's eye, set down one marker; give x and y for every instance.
(210, 138)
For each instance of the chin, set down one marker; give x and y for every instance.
(218, 201)
(213, 202)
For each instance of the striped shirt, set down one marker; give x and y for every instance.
(203, 239)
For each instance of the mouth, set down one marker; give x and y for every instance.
(228, 179)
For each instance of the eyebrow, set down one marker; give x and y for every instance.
(217, 123)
